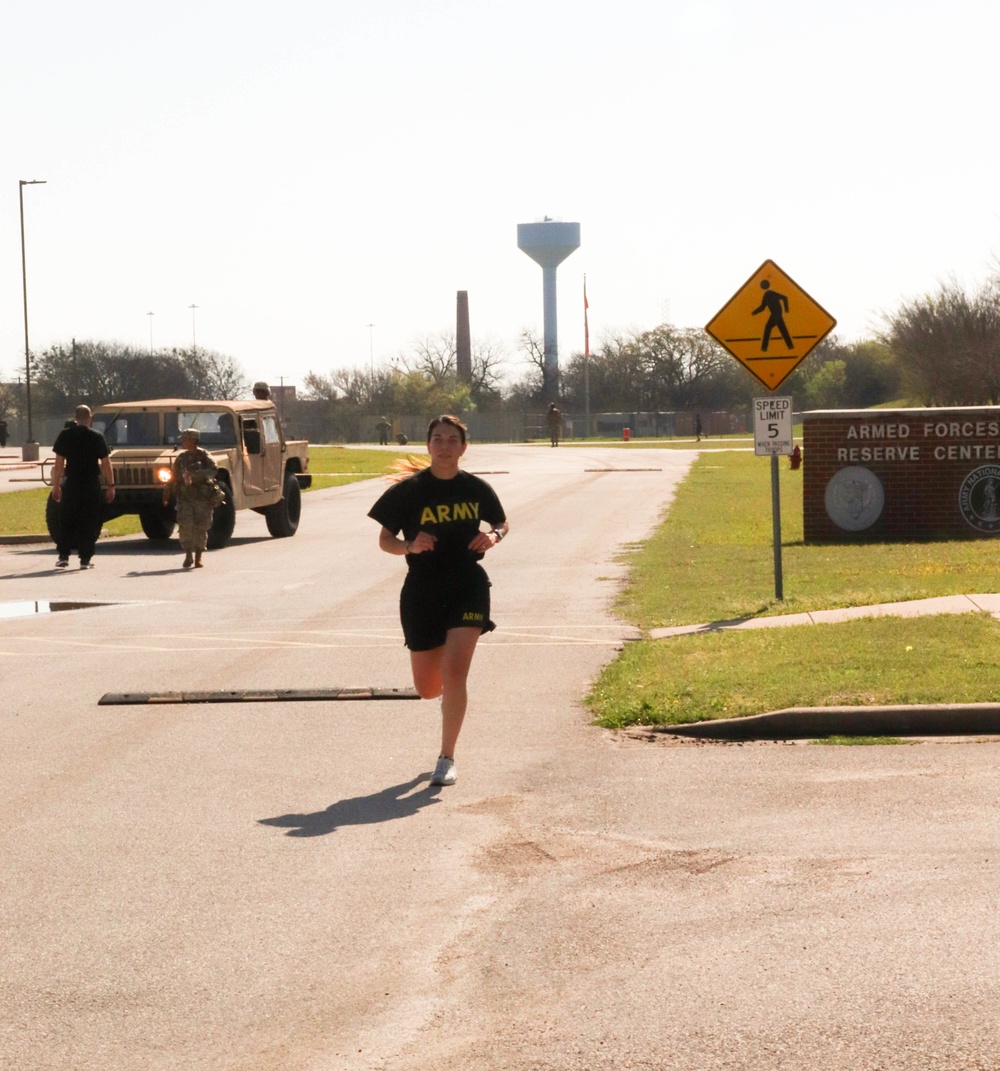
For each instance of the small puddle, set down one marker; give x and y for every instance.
(43, 606)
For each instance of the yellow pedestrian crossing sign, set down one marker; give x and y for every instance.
(770, 325)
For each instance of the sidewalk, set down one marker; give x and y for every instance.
(943, 604)
(18, 475)
(801, 723)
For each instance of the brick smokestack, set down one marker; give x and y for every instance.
(463, 340)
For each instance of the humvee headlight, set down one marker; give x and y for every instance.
(163, 475)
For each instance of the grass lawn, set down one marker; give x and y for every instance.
(333, 466)
(878, 661)
(712, 560)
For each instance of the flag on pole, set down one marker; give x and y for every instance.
(586, 321)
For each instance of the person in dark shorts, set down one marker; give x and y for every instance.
(434, 517)
(81, 456)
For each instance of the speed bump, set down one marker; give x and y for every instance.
(246, 695)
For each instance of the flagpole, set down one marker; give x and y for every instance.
(586, 357)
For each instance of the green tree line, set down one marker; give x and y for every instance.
(942, 348)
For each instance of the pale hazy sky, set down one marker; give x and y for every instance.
(300, 171)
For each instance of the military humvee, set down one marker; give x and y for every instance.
(259, 468)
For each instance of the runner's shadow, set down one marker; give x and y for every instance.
(384, 806)
(52, 571)
(157, 572)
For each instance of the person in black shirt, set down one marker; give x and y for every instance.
(81, 456)
(434, 518)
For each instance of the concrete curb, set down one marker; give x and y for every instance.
(804, 723)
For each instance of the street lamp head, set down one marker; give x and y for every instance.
(33, 182)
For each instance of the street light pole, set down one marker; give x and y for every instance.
(30, 450)
(194, 343)
(150, 315)
(371, 359)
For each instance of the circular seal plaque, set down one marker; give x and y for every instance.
(854, 498)
(979, 499)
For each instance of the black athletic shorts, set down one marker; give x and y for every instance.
(429, 605)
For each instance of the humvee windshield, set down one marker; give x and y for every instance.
(215, 429)
(128, 429)
(144, 429)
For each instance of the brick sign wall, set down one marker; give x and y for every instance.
(899, 474)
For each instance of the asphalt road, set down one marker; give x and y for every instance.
(275, 886)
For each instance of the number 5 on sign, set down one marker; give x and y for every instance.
(772, 426)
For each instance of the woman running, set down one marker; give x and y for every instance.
(433, 517)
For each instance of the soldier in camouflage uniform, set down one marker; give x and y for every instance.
(193, 484)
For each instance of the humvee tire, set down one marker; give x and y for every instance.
(224, 519)
(283, 517)
(158, 522)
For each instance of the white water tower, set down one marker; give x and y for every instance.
(549, 243)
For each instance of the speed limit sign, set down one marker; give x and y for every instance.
(772, 426)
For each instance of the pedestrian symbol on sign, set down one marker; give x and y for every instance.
(777, 305)
(791, 313)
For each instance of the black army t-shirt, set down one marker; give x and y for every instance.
(83, 448)
(449, 509)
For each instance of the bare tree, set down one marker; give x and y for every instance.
(948, 345)
(680, 364)
(213, 375)
(436, 356)
(318, 388)
(489, 362)
(618, 375)
(354, 384)
(527, 389)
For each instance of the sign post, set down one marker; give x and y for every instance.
(770, 325)
(772, 436)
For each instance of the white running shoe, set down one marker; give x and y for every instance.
(444, 771)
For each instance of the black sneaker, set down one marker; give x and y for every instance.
(63, 563)
(86, 564)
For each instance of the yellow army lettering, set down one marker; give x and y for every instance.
(442, 514)
(469, 616)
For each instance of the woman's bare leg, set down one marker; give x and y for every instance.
(444, 672)
(426, 667)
